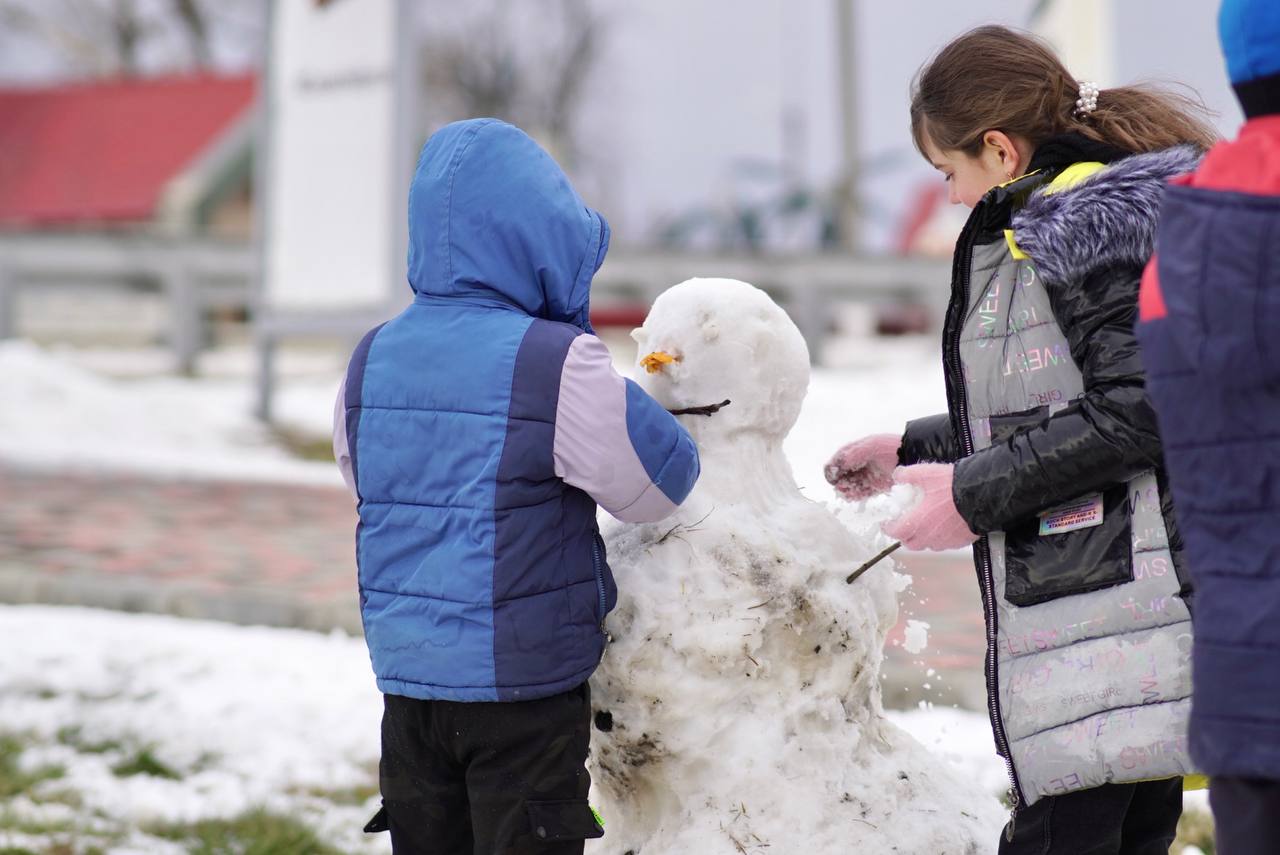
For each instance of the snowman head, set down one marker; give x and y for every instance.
(708, 340)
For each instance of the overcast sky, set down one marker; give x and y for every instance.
(688, 89)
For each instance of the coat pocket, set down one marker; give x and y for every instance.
(1080, 546)
(1041, 565)
(563, 820)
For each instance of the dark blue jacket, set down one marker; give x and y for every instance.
(482, 425)
(1211, 343)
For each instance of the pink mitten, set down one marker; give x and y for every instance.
(933, 522)
(864, 467)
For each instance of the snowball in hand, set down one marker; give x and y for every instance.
(864, 467)
(933, 522)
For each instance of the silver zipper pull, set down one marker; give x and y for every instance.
(607, 639)
(1013, 815)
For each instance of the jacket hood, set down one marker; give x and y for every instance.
(493, 219)
(1106, 220)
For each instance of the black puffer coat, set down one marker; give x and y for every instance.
(1059, 468)
(1092, 266)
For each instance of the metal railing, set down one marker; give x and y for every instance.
(197, 273)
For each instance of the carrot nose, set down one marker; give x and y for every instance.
(658, 360)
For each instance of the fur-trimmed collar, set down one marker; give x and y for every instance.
(1109, 219)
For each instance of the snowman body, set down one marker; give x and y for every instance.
(737, 708)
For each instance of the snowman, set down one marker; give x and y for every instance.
(737, 709)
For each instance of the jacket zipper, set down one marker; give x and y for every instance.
(598, 565)
(986, 574)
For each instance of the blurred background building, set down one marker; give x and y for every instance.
(765, 140)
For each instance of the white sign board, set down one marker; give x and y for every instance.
(331, 227)
(1083, 33)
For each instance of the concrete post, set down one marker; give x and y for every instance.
(266, 345)
(184, 305)
(8, 303)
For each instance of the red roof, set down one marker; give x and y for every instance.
(104, 151)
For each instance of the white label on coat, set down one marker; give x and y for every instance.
(1084, 512)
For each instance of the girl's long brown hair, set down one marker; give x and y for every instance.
(995, 78)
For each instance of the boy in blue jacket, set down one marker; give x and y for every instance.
(1209, 319)
(479, 430)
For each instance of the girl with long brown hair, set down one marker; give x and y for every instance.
(1048, 460)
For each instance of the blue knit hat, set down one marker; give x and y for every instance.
(1250, 34)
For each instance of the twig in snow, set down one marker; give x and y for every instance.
(760, 605)
(687, 528)
(880, 556)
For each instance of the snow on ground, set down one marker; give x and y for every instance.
(118, 410)
(59, 414)
(281, 718)
(245, 716)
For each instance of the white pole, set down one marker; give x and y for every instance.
(1083, 32)
(847, 69)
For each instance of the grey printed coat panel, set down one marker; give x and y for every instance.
(1059, 466)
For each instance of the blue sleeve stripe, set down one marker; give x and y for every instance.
(683, 467)
(664, 447)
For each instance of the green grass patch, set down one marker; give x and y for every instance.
(11, 822)
(354, 796)
(15, 780)
(1195, 828)
(59, 796)
(144, 762)
(305, 445)
(256, 832)
(73, 737)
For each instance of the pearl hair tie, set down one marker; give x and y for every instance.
(1088, 100)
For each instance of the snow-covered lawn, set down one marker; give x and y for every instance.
(146, 723)
(120, 733)
(59, 413)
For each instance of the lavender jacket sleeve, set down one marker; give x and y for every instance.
(616, 442)
(341, 450)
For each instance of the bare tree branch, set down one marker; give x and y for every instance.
(493, 65)
(82, 50)
(126, 30)
(104, 37)
(582, 32)
(193, 22)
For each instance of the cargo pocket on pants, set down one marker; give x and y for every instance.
(563, 820)
(379, 823)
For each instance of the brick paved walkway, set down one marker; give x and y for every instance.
(249, 553)
(284, 556)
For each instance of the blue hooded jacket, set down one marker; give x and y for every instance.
(481, 426)
(1210, 313)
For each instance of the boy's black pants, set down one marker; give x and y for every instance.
(487, 778)
(1246, 815)
(1114, 819)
